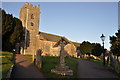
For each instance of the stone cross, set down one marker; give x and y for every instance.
(61, 68)
(38, 58)
(62, 45)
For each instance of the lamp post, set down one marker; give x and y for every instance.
(103, 39)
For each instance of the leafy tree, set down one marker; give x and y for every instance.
(115, 43)
(97, 50)
(91, 48)
(86, 47)
(12, 31)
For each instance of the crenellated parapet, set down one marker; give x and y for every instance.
(30, 6)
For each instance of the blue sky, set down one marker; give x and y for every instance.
(78, 21)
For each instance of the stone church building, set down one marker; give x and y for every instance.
(34, 39)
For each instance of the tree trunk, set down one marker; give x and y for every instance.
(117, 58)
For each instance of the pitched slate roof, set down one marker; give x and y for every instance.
(49, 37)
(55, 38)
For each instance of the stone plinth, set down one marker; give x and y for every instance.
(66, 72)
(61, 69)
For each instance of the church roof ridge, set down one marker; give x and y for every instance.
(55, 38)
(51, 34)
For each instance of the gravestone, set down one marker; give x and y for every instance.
(114, 64)
(61, 68)
(111, 60)
(38, 59)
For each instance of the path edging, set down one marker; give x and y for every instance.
(10, 71)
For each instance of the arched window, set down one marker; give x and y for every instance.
(32, 24)
(32, 16)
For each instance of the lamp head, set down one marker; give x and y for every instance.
(102, 37)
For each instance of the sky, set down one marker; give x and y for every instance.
(77, 21)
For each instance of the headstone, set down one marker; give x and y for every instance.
(114, 64)
(117, 66)
(111, 60)
(61, 68)
(38, 59)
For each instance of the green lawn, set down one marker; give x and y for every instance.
(29, 56)
(100, 62)
(49, 62)
(6, 63)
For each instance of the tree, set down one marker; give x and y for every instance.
(12, 31)
(115, 44)
(86, 47)
(91, 48)
(97, 50)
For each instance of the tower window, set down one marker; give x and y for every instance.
(32, 16)
(32, 24)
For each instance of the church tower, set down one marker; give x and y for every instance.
(30, 16)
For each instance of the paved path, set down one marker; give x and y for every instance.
(24, 68)
(87, 69)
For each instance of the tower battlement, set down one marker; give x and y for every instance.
(30, 6)
(29, 14)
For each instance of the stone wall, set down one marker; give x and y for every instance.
(48, 49)
(71, 50)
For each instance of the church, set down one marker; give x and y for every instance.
(35, 39)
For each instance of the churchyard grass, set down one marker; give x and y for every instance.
(29, 56)
(100, 62)
(50, 62)
(6, 63)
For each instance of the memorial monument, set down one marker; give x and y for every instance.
(38, 61)
(61, 68)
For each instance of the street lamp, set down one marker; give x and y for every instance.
(103, 39)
